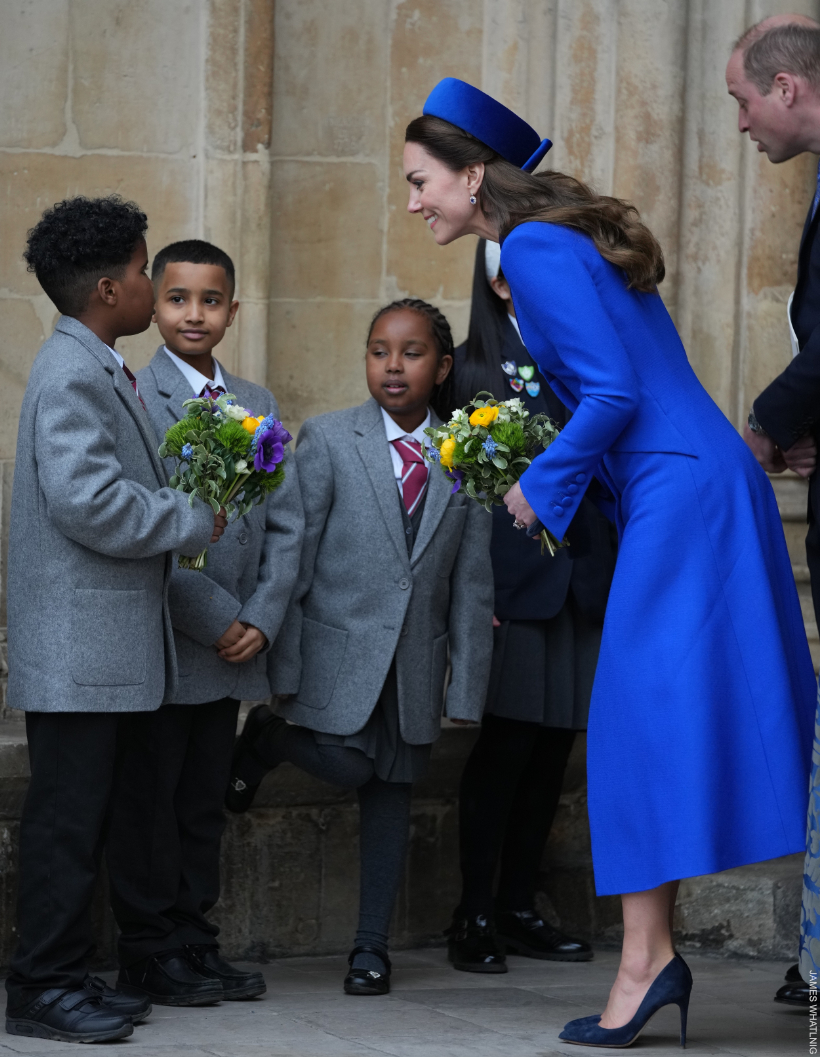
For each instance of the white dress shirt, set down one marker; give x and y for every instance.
(395, 432)
(196, 379)
(116, 356)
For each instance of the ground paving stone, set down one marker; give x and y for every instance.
(434, 1011)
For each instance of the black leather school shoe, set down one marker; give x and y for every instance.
(796, 993)
(793, 974)
(68, 1016)
(205, 959)
(473, 946)
(248, 768)
(524, 932)
(135, 1007)
(368, 981)
(169, 980)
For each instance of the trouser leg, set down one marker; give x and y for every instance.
(531, 817)
(143, 851)
(487, 791)
(62, 829)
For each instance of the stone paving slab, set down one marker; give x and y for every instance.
(434, 1011)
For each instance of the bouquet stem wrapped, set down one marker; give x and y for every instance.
(225, 456)
(486, 450)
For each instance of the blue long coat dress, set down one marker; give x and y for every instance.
(702, 713)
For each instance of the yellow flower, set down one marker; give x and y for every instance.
(483, 416)
(446, 451)
(250, 424)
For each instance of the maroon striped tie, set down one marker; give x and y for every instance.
(133, 382)
(413, 472)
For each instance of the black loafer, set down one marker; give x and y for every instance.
(795, 994)
(368, 981)
(524, 932)
(136, 1007)
(168, 979)
(793, 974)
(68, 1016)
(248, 767)
(205, 959)
(473, 947)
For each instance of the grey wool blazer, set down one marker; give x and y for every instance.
(251, 571)
(92, 527)
(360, 600)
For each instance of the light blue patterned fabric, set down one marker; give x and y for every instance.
(810, 910)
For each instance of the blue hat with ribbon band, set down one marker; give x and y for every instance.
(482, 116)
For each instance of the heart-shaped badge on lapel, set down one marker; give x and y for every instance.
(517, 384)
(526, 371)
(509, 367)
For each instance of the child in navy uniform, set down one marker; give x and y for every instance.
(176, 761)
(395, 571)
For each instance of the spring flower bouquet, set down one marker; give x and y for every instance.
(487, 449)
(225, 456)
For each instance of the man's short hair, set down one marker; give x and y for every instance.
(80, 241)
(193, 251)
(792, 48)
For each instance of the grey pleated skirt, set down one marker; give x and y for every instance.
(380, 739)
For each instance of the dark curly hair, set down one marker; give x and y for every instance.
(441, 399)
(80, 241)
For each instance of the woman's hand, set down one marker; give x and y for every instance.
(518, 506)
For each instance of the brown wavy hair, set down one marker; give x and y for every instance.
(509, 197)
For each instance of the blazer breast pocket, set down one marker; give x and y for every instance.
(448, 538)
(323, 649)
(109, 637)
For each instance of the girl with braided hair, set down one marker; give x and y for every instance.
(395, 574)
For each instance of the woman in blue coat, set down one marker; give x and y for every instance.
(702, 711)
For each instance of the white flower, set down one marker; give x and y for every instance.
(237, 413)
(241, 466)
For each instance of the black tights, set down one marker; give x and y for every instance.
(384, 810)
(509, 793)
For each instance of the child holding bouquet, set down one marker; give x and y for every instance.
(176, 760)
(395, 571)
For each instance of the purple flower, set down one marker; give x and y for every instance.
(269, 444)
(457, 476)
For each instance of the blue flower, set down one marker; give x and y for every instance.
(432, 453)
(187, 452)
(490, 447)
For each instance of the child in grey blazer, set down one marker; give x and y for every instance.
(175, 761)
(92, 527)
(395, 574)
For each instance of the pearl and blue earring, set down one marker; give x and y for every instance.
(473, 200)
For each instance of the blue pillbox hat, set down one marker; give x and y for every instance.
(482, 116)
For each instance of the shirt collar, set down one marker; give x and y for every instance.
(514, 322)
(116, 356)
(196, 379)
(395, 432)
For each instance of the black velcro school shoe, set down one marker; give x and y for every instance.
(473, 947)
(135, 1007)
(248, 767)
(168, 979)
(68, 1016)
(205, 959)
(368, 981)
(524, 932)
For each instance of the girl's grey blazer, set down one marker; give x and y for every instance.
(251, 571)
(92, 527)
(360, 599)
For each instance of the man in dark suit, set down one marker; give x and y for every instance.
(774, 74)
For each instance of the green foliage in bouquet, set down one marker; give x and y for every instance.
(486, 446)
(224, 456)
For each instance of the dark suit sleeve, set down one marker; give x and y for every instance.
(788, 408)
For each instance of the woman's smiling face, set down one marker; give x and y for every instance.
(443, 196)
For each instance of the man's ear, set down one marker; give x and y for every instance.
(785, 86)
(107, 290)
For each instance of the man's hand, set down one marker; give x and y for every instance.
(765, 450)
(220, 521)
(231, 636)
(244, 648)
(518, 505)
(802, 457)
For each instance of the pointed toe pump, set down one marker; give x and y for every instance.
(672, 986)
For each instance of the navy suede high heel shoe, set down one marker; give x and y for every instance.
(672, 986)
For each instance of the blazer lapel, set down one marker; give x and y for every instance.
(439, 490)
(124, 389)
(372, 446)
